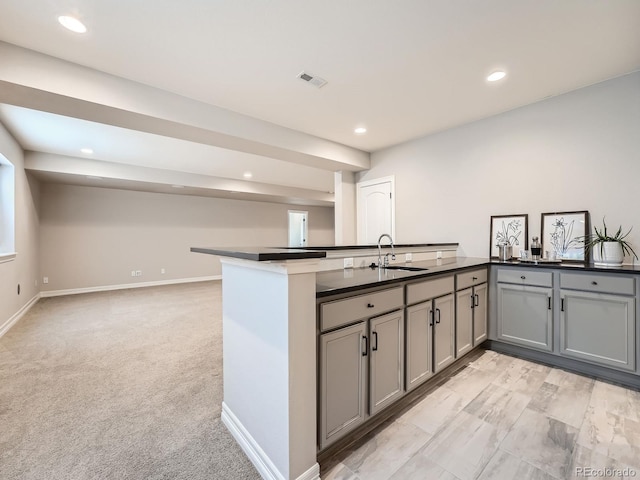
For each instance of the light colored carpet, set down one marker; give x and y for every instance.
(118, 385)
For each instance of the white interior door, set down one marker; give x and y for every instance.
(376, 211)
(298, 228)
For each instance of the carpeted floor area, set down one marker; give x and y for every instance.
(118, 385)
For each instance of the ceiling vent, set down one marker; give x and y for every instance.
(312, 79)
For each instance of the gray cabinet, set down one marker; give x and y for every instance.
(386, 362)
(597, 326)
(471, 310)
(343, 381)
(443, 332)
(429, 329)
(524, 308)
(361, 360)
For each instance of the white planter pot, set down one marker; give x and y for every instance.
(611, 254)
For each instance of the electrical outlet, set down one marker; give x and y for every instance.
(438, 254)
(133, 273)
(408, 257)
(162, 271)
(45, 279)
(348, 262)
(138, 273)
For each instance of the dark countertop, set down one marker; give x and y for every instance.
(264, 254)
(352, 279)
(261, 254)
(578, 266)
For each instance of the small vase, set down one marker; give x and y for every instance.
(607, 254)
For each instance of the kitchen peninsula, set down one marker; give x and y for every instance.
(270, 346)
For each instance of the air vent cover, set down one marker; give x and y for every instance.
(312, 79)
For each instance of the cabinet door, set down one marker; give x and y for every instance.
(464, 321)
(386, 363)
(343, 381)
(419, 329)
(443, 332)
(599, 328)
(479, 314)
(525, 316)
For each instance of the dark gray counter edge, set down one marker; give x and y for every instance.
(263, 254)
(577, 266)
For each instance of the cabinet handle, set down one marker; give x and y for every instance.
(472, 301)
(477, 300)
(370, 305)
(562, 304)
(594, 283)
(375, 334)
(549, 303)
(366, 347)
(438, 311)
(431, 318)
(522, 277)
(474, 278)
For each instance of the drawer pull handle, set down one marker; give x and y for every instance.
(474, 278)
(522, 277)
(549, 298)
(562, 304)
(370, 305)
(375, 334)
(472, 301)
(431, 318)
(364, 352)
(477, 302)
(438, 312)
(594, 283)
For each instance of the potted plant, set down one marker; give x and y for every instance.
(608, 249)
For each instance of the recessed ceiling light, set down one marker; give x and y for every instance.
(86, 151)
(72, 23)
(247, 175)
(497, 75)
(360, 131)
(93, 177)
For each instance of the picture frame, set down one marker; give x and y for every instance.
(564, 233)
(510, 228)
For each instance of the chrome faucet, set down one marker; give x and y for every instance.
(386, 257)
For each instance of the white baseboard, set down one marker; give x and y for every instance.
(4, 328)
(105, 288)
(258, 457)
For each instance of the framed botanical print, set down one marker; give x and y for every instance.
(563, 233)
(511, 229)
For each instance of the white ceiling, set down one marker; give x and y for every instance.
(402, 69)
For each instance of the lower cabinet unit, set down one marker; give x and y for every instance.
(361, 365)
(343, 381)
(596, 326)
(444, 321)
(524, 308)
(471, 310)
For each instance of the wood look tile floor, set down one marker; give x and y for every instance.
(501, 417)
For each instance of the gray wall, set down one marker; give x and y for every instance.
(577, 151)
(23, 269)
(93, 237)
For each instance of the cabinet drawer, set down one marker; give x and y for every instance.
(419, 292)
(525, 277)
(470, 279)
(593, 282)
(342, 312)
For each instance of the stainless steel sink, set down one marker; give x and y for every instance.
(408, 269)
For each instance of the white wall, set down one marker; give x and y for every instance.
(94, 237)
(577, 151)
(23, 269)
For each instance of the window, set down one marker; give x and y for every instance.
(7, 208)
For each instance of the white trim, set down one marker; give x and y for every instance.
(7, 257)
(105, 288)
(258, 457)
(18, 315)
